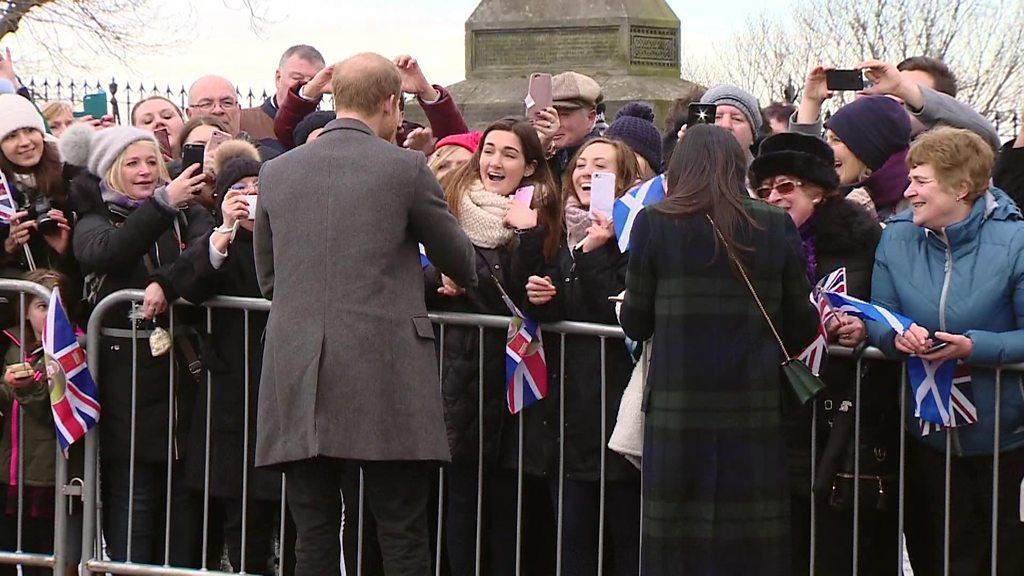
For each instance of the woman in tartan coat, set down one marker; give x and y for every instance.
(715, 489)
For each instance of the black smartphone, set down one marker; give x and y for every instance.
(697, 113)
(193, 154)
(936, 348)
(841, 80)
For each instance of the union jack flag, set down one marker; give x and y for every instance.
(7, 207)
(816, 352)
(961, 410)
(526, 371)
(74, 399)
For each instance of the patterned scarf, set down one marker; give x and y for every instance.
(577, 220)
(482, 217)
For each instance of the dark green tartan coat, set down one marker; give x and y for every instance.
(715, 491)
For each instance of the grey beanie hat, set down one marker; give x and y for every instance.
(97, 150)
(729, 95)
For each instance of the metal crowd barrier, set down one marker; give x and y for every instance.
(95, 561)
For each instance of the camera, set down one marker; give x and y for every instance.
(39, 210)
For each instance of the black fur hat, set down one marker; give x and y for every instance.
(805, 157)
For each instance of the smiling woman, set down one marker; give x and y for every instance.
(133, 225)
(482, 194)
(953, 265)
(40, 233)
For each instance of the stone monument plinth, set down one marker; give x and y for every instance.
(631, 47)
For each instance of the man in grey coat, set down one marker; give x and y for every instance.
(349, 369)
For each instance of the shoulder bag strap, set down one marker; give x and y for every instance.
(750, 286)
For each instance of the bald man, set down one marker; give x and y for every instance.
(215, 96)
(349, 367)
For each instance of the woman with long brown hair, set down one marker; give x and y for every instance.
(482, 196)
(39, 233)
(575, 285)
(715, 490)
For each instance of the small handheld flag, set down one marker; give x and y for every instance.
(626, 208)
(526, 371)
(7, 207)
(814, 354)
(942, 392)
(424, 261)
(74, 399)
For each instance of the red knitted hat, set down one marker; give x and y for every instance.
(470, 141)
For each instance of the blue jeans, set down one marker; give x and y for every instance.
(149, 514)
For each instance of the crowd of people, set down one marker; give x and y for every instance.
(905, 187)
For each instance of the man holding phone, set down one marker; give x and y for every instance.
(575, 97)
(926, 107)
(350, 370)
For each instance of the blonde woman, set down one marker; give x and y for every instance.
(134, 223)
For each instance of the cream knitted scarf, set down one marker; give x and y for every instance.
(482, 217)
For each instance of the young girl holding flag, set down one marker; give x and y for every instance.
(25, 405)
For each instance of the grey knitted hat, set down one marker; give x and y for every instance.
(729, 95)
(97, 150)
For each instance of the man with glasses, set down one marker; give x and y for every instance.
(215, 96)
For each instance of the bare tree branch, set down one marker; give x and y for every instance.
(981, 40)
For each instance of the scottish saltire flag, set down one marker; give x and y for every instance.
(7, 207)
(73, 396)
(424, 261)
(627, 207)
(813, 355)
(526, 371)
(868, 311)
(960, 407)
(942, 393)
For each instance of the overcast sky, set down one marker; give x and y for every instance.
(431, 30)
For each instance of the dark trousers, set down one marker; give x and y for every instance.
(498, 538)
(372, 563)
(498, 534)
(36, 538)
(970, 511)
(878, 543)
(261, 522)
(581, 520)
(149, 515)
(396, 494)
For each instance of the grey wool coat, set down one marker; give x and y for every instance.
(349, 365)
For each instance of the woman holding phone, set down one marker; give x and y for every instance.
(482, 194)
(715, 485)
(135, 222)
(575, 284)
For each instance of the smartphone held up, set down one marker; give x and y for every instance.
(845, 80)
(538, 95)
(697, 113)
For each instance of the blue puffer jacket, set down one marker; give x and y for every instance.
(973, 286)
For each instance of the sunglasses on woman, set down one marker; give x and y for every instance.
(785, 188)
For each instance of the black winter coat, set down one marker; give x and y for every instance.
(110, 244)
(584, 281)
(460, 368)
(846, 235)
(1008, 174)
(16, 265)
(223, 354)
